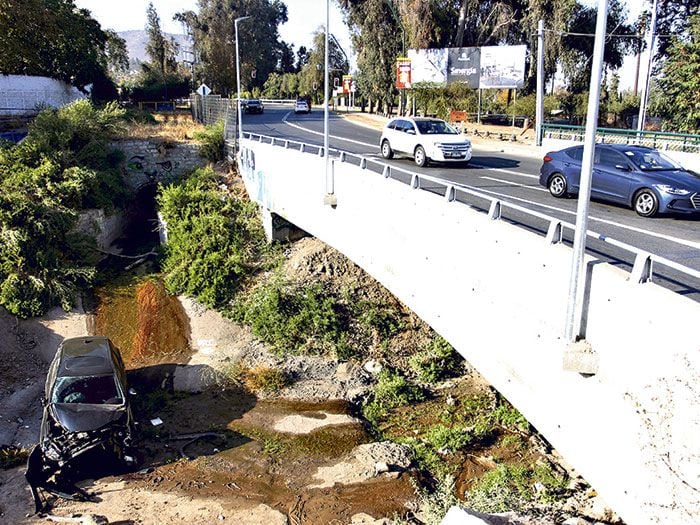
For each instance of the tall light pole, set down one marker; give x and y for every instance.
(645, 93)
(238, 81)
(330, 183)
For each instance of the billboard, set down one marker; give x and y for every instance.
(347, 84)
(403, 73)
(488, 67)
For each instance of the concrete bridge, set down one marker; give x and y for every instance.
(498, 294)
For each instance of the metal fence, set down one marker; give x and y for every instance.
(654, 139)
(210, 110)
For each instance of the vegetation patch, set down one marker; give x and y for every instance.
(438, 362)
(261, 378)
(211, 142)
(11, 457)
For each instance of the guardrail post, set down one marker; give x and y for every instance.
(320, 152)
(415, 181)
(450, 193)
(342, 156)
(286, 144)
(260, 139)
(642, 269)
(386, 172)
(495, 210)
(555, 232)
(363, 163)
(302, 148)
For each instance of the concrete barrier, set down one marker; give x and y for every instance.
(22, 94)
(498, 294)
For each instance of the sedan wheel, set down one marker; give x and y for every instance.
(387, 152)
(645, 203)
(419, 157)
(557, 185)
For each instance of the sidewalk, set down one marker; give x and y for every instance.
(524, 145)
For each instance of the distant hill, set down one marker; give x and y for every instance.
(137, 39)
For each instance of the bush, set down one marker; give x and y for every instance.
(62, 166)
(212, 239)
(439, 361)
(212, 142)
(393, 390)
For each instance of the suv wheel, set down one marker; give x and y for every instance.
(387, 152)
(419, 157)
(645, 203)
(557, 185)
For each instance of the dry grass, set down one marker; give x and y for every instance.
(168, 127)
(260, 379)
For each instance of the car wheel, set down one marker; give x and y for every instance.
(419, 157)
(557, 185)
(387, 152)
(646, 203)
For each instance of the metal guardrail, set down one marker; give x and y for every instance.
(642, 270)
(654, 139)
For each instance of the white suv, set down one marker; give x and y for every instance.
(425, 139)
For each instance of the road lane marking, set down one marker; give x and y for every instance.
(284, 119)
(511, 183)
(684, 242)
(677, 240)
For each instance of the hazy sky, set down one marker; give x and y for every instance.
(305, 17)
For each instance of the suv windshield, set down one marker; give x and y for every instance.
(435, 127)
(651, 160)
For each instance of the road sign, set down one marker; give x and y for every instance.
(203, 90)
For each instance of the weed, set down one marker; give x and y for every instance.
(265, 379)
(427, 458)
(432, 506)
(11, 456)
(449, 439)
(438, 362)
(508, 417)
(393, 390)
(505, 488)
(380, 317)
(211, 141)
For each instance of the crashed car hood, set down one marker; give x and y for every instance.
(84, 418)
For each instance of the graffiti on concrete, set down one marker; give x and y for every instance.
(162, 169)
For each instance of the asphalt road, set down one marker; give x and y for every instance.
(512, 178)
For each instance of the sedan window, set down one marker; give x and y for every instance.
(651, 160)
(610, 158)
(575, 153)
(95, 390)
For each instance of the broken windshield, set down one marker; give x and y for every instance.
(93, 390)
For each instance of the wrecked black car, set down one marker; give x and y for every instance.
(86, 411)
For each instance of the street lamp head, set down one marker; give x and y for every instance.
(241, 18)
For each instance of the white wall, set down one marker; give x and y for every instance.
(498, 294)
(20, 94)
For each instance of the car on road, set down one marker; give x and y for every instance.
(254, 105)
(636, 176)
(302, 106)
(424, 139)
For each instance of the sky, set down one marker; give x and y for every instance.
(305, 17)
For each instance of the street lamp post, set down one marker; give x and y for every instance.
(647, 84)
(238, 81)
(330, 197)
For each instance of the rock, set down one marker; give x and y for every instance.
(304, 424)
(366, 519)
(576, 521)
(346, 371)
(365, 462)
(373, 367)
(596, 509)
(459, 516)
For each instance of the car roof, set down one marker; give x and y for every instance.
(83, 356)
(619, 147)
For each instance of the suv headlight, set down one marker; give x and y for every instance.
(666, 188)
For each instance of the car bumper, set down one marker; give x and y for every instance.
(675, 204)
(438, 156)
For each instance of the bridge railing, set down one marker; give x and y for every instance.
(654, 139)
(642, 261)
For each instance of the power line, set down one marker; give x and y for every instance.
(609, 35)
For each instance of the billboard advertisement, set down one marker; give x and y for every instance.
(488, 67)
(463, 65)
(502, 67)
(403, 73)
(347, 84)
(428, 65)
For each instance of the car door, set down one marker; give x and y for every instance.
(408, 139)
(611, 175)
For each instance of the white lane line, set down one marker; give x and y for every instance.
(284, 119)
(684, 242)
(511, 183)
(509, 172)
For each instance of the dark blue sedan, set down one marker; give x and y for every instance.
(635, 176)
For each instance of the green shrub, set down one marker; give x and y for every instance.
(434, 505)
(438, 362)
(508, 417)
(211, 142)
(393, 390)
(212, 239)
(379, 317)
(449, 439)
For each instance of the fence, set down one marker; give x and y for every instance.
(654, 139)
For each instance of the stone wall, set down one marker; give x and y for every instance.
(148, 162)
(104, 228)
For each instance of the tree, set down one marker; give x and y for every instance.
(679, 85)
(286, 63)
(52, 38)
(302, 58)
(674, 18)
(117, 55)
(161, 50)
(214, 41)
(310, 79)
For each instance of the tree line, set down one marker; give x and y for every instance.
(65, 42)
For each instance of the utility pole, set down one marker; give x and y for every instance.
(539, 117)
(574, 308)
(645, 93)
